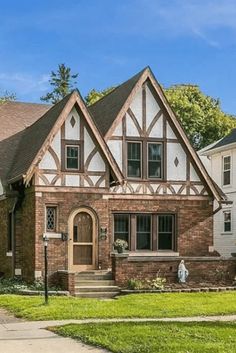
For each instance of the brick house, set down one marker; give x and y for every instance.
(84, 176)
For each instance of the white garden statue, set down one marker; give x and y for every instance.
(182, 272)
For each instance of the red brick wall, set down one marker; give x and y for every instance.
(194, 223)
(207, 270)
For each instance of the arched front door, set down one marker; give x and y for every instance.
(82, 241)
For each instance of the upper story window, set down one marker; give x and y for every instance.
(144, 160)
(154, 160)
(227, 221)
(134, 159)
(226, 170)
(72, 157)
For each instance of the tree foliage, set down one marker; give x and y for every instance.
(201, 115)
(7, 96)
(63, 82)
(94, 95)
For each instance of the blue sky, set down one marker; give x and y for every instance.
(107, 41)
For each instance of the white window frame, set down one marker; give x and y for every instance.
(223, 170)
(78, 158)
(231, 223)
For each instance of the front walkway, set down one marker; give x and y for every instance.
(27, 337)
(32, 336)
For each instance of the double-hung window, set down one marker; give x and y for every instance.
(144, 160)
(121, 227)
(134, 160)
(227, 221)
(154, 160)
(143, 234)
(226, 170)
(165, 232)
(72, 157)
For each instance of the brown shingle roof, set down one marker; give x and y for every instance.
(16, 116)
(32, 139)
(106, 109)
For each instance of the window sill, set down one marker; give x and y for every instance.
(153, 253)
(226, 233)
(9, 254)
(52, 235)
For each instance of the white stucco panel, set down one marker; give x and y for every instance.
(47, 162)
(72, 180)
(94, 178)
(50, 177)
(116, 150)
(193, 174)
(72, 131)
(56, 144)
(169, 132)
(97, 164)
(88, 144)
(152, 107)
(175, 151)
(157, 130)
(136, 106)
(118, 130)
(131, 129)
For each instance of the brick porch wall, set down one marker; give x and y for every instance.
(211, 270)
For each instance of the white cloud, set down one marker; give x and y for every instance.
(22, 84)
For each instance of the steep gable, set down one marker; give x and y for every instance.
(146, 116)
(35, 141)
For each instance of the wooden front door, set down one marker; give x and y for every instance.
(82, 242)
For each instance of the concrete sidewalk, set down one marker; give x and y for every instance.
(32, 337)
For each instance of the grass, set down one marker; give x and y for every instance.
(156, 337)
(136, 305)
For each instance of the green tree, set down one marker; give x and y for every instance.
(94, 95)
(7, 96)
(201, 115)
(63, 82)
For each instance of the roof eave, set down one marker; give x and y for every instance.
(219, 149)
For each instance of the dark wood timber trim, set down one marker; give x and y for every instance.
(65, 143)
(135, 121)
(144, 108)
(155, 119)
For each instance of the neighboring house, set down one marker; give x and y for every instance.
(221, 162)
(121, 169)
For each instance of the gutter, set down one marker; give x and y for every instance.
(220, 206)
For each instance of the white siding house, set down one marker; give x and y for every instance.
(220, 162)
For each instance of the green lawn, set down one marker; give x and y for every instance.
(156, 337)
(136, 305)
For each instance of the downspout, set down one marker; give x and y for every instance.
(13, 223)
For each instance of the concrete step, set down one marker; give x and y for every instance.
(83, 282)
(94, 275)
(98, 295)
(80, 289)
